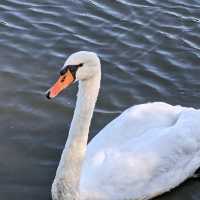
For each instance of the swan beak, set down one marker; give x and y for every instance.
(63, 82)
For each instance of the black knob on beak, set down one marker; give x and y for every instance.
(63, 71)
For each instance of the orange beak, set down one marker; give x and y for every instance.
(63, 82)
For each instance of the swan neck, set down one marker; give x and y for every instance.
(69, 169)
(86, 100)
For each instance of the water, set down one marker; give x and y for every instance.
(149, 50)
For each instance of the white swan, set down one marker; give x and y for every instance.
(146, 151)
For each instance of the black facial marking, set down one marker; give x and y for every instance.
(80, 65)
(72, 68)
(63, 71)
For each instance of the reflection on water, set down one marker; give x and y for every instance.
(149, 51)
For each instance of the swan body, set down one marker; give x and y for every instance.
(146, 151)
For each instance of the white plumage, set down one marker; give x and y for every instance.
(146, 151)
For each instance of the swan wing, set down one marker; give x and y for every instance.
(132, 123)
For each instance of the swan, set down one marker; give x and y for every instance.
(146, 151)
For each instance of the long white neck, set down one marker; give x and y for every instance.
(67, 180)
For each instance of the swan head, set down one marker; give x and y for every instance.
(79, 66)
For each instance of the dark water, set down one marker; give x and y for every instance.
(150, 51)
